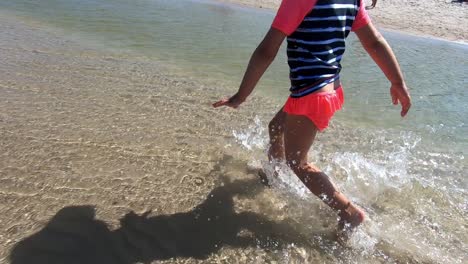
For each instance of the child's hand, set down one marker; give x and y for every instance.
(233, 102)
(400, 93)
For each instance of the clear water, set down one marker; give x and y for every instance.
(213, 42)
(408, 174)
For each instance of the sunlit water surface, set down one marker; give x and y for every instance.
(408, 174)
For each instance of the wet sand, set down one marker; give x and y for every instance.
(435, 18)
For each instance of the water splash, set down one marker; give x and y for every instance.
(363, 242)
(368, 175)
(282, 178)
(391, 176)
(365, 178)
(252, 137)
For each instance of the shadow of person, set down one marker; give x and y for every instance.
(73, 235)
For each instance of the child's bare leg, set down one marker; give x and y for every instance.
(276, 132)
(299, 135)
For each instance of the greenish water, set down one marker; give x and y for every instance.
(213, 42)
(415, 168)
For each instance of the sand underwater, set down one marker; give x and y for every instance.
(110, 157)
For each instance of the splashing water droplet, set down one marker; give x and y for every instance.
(253, 137)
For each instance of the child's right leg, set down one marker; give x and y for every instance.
(299, 134)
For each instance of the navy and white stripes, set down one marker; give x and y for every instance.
(316, 47)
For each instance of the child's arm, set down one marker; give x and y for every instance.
(262, 57)
(378, 48)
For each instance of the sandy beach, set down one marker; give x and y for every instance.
(434, 18)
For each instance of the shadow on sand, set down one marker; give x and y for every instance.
(73, 235)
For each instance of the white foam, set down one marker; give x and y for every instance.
(281, 177)
(362, 241)
(254, 137)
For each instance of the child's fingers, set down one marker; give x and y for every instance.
(405, 106)
(221, 103)
(404, 111)
(400, 95)
(394, 98)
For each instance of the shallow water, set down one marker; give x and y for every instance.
(213, 42)
(103, 102)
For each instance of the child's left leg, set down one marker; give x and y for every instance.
(276, 133)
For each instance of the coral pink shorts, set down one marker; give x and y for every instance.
(318, 107)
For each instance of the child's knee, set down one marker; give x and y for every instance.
(301, 168)
(272, 125)
(296, 166)
(275, 127)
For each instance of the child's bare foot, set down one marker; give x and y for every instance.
(260, 173)
(263, 177)
(350, 218)
(268, 174)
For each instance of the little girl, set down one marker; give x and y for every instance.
(316, 31)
